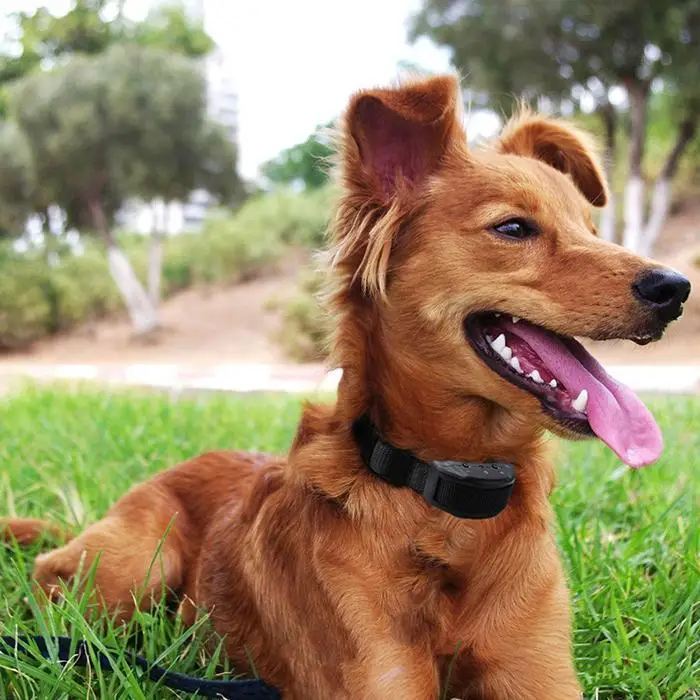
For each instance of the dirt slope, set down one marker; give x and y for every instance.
(225, 324)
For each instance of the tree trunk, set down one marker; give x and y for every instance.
(608, 215)
(155, 264)
(155, 258)
(660, 204)
(634, 213)
(661, 199)
(637, 92)
(141, 311)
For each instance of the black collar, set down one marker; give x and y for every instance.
(463, 489)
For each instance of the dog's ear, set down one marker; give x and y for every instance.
(563, 147)
(401, 134)
(391, 141)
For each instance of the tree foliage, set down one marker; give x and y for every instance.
(131, 122)
(500, 46)
(305, 164)
(575, 53)
(513, 48)
(42, 38)
(168, 27)
(18, 187)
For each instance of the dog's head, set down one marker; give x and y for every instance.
(462, 276)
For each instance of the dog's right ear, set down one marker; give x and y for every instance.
(392, 141)
(399, 136)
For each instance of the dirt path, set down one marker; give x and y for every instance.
(225, 324)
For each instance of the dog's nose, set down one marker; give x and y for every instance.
(664, 290)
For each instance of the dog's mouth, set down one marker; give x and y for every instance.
(571, 385)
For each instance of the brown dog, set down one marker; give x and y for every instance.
(337, 584)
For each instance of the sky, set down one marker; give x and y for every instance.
(294, 63)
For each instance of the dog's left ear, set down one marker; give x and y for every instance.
(563, 147)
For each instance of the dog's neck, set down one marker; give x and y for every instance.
(425, 416)
(414, 410)
(326, 456)
(415, 404)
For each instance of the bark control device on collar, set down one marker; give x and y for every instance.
(470, 490)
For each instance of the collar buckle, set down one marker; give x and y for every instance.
(474, 490)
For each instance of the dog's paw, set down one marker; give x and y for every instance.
(54, 570)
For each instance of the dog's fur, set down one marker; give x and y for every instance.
(334, 583)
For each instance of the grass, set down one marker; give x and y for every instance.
(629, 539)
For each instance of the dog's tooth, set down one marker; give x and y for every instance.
(553, 383)
(499, 343)
(516, 319)
(535, 376)
(497, 315)
(506, 353)
(515, 364)
(581, 401)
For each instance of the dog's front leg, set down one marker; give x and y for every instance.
(533, 663)
(394, 672)
(530, 678)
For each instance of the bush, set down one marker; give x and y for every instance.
(38, 299)
(296, 218)
(25, 311)
(81, 290)
(306, 325)
(227, 250)
(177, 265)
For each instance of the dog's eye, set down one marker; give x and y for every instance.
(516, 228)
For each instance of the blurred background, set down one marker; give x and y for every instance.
(162, 177)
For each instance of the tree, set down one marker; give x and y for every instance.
(90, 27)
(510, 49)
(682, 42)
(635, 44)
(305, 164)
(567, 49)
(127, 123)
(17, 179)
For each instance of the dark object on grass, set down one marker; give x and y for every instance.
(65, 650)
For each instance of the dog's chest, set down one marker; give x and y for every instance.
(423, 597)
(463, 607)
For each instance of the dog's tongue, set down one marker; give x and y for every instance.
(615, 413)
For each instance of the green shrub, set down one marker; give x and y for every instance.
(68, 304)
(298, 219)
(240, 246)
(25, 311)
(228, 251)
(306, 325)
(82, 290)
(38, 299)
(177, 265)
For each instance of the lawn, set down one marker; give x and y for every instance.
(629, 539)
